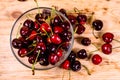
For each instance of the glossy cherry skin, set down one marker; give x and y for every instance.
(106, 48)
(97, 25)
(81, 19)
(59, 52)
(22, 52)
(66, 64)
(51, 48)
(63, 11)
(36, 25)
(86, 41)
(107, 37)
(44, 27)
(16, 43)
(96, 59)
(53, 58)
(31, 59)
(57, 21)
(32, 35)
(56, 39)
(29, 23)
(66, 35)
(72, 19)
(24, 31)
(58, 29)
(43, 61)
(65, 25)
(41, 46)
(79, 29)
(39, 18)
(76, 66)
(65, 46)
(82, 54)
(72, 57)
(38, 39)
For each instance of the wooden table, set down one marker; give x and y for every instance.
(106, 10)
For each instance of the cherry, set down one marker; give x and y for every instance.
(82, 54)
(86, 41)
(76, 66)
(65, 25)
(65, 64)
(81, 19)
(107, 37)
(39, 18)
(97, 25)
(59, 52)
(32, 35)
(66, 35)
(63, 11)
(65, 46)
(72, 57)
(79, 29)
(31, 59)
(36, 25)
(53, 58)
(29, 23)
(38, 39)
(45, 27)
(25, 43)
(56, 39)
(57, 21)
(16, 43)
(43, 61)
(24, 31)
(106, 48)
(22, 52)
(46, 13)
(58, 29)
(72, 19)
(51, 48)
(96, 59)
(41, 46)
(49, 40)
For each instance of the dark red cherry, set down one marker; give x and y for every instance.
(31, 59)
(86, 41)
(66, 64)
(66, 35)
(72, 57)
(97, 25)
(41, 46)
(22, 52)
(58, 29)
(16, 43)
(38, 39)
(45, 27)
(79, 29)
(24, 31)
(29, 23)
(53, 58)
(106, 48)
(46, 13)
(107, 37)
(39, 18)
(51, 48)
(65, 25)
(76, 66)
(81, 19)
(65, 46)
(36, 25)
(63, 11)
(43, 61)
(56, 39)
(72, 19)
(82, 54)
(57, 21)
(96, 59)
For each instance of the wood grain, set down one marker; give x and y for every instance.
(106, 10)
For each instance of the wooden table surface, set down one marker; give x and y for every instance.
(106, 10)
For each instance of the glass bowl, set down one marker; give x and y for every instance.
(15, 31)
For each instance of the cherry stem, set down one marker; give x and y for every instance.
(60, 45)
(37, 6)
(86, 69)
(94, 33)
(45, 32)
(116, 47)
(116, 40)
(95, 46)
(75, 30)
(18, 30)
(33, 66)
(32, 35)
(76, 10)
(90, 18)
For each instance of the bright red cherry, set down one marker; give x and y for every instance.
(45, 27)
(59, 52)
(53, 58)
(107, 37)
(66, 64)
(96, 59)
(32, 35)
(58, 29)
(22, 52)
(106, 48)
(36, 25)
(55, 38)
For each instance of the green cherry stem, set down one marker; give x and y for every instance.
(45, 32)
(86, 69)
(18, 30)
(33, 66)
(116, 40)
(37, 6)
(75, 30)
(32, 35)
(76, 10)
(94, 33)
